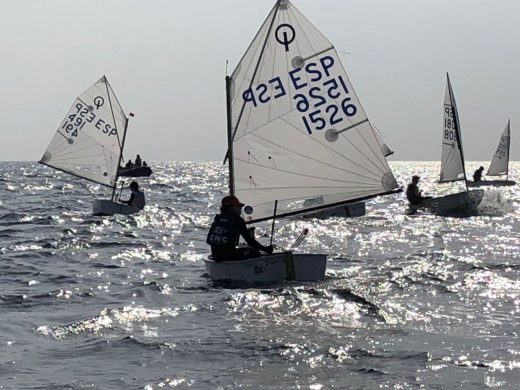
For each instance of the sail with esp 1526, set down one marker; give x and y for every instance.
(297, 130)
(89, 141)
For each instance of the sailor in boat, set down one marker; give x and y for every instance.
(413, 194)
(477, 175)
(137, 161)
(145, 164)
(129, 164)
(226, 230)
(137, 198)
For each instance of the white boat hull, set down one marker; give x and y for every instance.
(496, 183)
(271, 268)
(108, 207)
(459, 203)
(347, 210)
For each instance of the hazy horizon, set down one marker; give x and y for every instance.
(166, 61)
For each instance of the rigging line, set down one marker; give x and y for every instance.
(275, 12)
(292, 172)
(364, 168)
(313, 159)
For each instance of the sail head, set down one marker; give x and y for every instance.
(299, 130)
(88, 141)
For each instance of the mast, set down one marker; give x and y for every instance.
(277, 6)
(508, 146)
(114, 187)
(119, 160)
(231, 164)
(457, 129)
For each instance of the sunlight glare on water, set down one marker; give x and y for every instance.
(409, 301)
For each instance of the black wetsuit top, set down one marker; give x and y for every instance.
(412, 194)
(224, 234)
(477, 176)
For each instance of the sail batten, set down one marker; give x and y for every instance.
(298, 127)
(88, 143)
(500, 162)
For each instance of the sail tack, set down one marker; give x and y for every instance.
(300, 134)
(88, 141)
(500, 163)
(452, 160)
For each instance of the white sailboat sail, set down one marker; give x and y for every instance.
(89, 141)
(452, 158)
(500, 163)
(298, 130)
(382, 144)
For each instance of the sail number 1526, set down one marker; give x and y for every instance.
(325, 113)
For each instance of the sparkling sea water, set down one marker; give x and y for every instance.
(123, 302)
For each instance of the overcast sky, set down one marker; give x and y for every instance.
(166, 59)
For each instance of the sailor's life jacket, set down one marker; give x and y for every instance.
(137, 200)
(223, 231)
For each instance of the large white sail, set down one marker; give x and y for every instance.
(298, 129)
(452, 159)
(89, 140)
(500, 163)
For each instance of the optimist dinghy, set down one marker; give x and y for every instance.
(89, 143)
(499, 164)
(452, 166)
(296, 132)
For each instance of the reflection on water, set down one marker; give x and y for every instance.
(409, 301)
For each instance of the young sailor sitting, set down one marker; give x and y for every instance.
(413, 194)
(137, 198)
(226, 230)
(477, 175)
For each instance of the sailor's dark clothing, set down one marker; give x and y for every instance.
(223, 237)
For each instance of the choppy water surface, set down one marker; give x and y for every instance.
(124, 303)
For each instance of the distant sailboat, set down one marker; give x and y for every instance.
(296, 132)
(452, 164)
(89, 143)
(500, 163)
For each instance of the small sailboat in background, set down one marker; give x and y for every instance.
(89, 143)
(452, 165)
(500, 163)
(296, 133)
